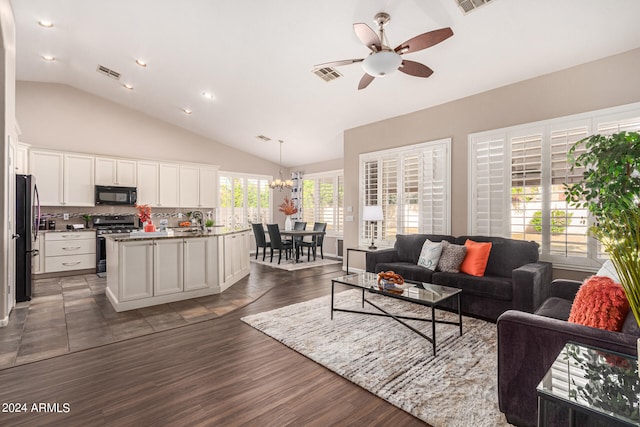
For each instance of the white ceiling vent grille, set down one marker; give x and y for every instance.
(327, 74)
(108, 72)
(263, 138)
(471, 5)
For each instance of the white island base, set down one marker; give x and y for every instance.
(145, 272)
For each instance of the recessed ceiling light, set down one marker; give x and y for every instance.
(207, 95)
(44, 23)
(141, 63)
(187, 111)
(127, 86)
(48, 58)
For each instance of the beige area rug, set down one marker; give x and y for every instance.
(290, 265)
(458, 387)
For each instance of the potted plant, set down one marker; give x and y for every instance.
(87, 219)
(610, 190)
(288, 208)
(209, 224)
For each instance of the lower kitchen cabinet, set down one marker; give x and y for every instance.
(142, 273)
(67, 251)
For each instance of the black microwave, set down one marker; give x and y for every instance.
(107, 195)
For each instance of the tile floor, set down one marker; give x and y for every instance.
(72, 313)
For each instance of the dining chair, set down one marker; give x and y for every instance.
(300, 226)
(316, 241)
(261, 239)
(278, 243)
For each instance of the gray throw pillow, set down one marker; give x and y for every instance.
(451, 258)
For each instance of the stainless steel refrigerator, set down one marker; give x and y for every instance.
(27, 225)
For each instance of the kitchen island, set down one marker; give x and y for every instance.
(145, 271)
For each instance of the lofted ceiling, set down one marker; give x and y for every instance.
(256, 58)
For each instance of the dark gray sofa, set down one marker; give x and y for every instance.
(528, 344)
(514, 278)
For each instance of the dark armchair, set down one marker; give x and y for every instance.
(529, 343)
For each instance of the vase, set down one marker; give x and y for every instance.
(288, 225)
(149, 227)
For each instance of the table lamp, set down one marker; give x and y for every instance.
(371, 214)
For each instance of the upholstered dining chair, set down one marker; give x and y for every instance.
(261, 239)
(278, 243)
(301, 226)
(315, 241)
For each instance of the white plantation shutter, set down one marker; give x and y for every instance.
(434, 198)
(517, 182)
(526, 187)
(322, 198)
(411, 184)
(488, 186)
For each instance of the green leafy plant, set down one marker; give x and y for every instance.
(559, 221)
(208, 223)
(610, 190)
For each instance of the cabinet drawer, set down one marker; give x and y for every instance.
(70, 247)
(77, 235)
(71, 262)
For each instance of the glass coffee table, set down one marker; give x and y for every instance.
(425, 294)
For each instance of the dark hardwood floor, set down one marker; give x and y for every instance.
(218, 372)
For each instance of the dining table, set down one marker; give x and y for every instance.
(300, 233)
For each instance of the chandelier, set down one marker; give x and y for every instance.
(280, 183)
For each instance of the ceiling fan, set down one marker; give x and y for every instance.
(383, 60)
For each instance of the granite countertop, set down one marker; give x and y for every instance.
(61, 230)
(221, 231)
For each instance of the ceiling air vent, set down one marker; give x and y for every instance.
(263, 138)
(327, 74)
(470, 5)
(108, 72)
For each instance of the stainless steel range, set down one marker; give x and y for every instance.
(109, 224)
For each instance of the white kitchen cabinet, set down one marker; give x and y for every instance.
(115, 172)
(47, 167)
(68, 251)
(168, 185)
(198, 186)
(79, 187)
(22, 159)
(63, 179)
(37, 261)
(208, 187)
(134, 269)
(235, 257)
(199, 274)
(148, 180)
(168, 267)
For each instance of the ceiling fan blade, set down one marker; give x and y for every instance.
(337, 63)
(367, 36)
(365, 81)
(424, 41)
(415, 69)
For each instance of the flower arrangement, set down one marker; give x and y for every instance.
(144, 212)
(287, 207)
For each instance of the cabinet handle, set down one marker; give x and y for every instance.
(71, 248)
(71, 263)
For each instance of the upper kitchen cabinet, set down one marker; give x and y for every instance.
(168, 188)
(148, 178)
(115, 172)
(198, 186)
(63, 179)
(22, 158)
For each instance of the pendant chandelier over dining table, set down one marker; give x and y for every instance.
(280, 183)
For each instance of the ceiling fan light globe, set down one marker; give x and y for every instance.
(379, 64)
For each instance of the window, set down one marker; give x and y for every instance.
(412, 186)
(323, 198)
(526, 199)
(244, 199)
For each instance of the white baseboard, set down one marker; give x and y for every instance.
(4, 322)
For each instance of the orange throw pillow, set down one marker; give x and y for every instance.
(475, 263)
(600, 303)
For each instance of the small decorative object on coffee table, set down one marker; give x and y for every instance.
(391, 282)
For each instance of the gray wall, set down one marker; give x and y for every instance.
(600, 84)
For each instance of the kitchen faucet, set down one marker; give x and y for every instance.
(200, 217)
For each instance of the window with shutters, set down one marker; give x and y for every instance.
(322, 200)
(244, 199)
(526, 200)
(411, 184)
